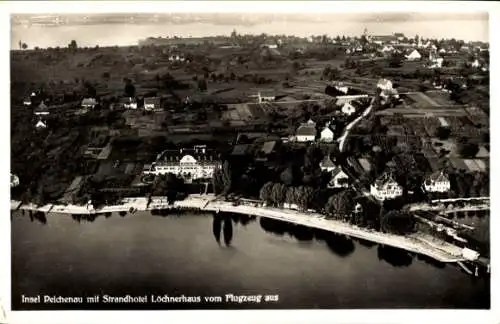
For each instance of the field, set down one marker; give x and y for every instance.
(440, 98)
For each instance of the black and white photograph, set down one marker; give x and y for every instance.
(237, 160)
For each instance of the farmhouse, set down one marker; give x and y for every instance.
(190, 164)
(327, 134)
(387, 49)
(339, 179)
(385, 187)
(348, 108)
(266, 96)
(152, 104)
(327, 164)
(42, 109)
(128, 102)
(413, 56)
(384, 39)
(306, 132)
(89, 103)
(437, 182)
(41, 124)
(27, 101)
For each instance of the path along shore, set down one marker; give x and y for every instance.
(416, 243)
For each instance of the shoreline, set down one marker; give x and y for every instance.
(416, 243)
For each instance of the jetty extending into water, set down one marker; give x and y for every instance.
(417, 243)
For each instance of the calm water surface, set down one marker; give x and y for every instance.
(201, 255)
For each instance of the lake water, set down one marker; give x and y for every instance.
(129, 34)
(203, 255)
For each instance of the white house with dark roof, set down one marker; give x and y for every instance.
(387, 49)
(327, 134)
(190, 164)
(89, 103)
(306, 132)
(437, 182)
(348, 108)
(266, 96)
(339, 178)
(385, 187)
(42, 109)
(413, 56)
(41, 124)
(152, 103)
(27, 101)
(128, 102)
(327, 164)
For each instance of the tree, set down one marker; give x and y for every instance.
(287, 176)
(397, 222)
(106, 76)
(265, 192)
(202, 85)
(467, 149)
(217, 181)
(290, 196)
(129, 89)
(227, 177)
(443, 132)
(24, 46)
(278, 194)
(305, 197)
(340, 205)
(72, 45)
(91, 90)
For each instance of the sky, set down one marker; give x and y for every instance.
(466, 26)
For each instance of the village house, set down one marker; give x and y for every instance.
(437, 182)
(190, 164)
(475, 64)
(266, 96)
(387, 49)
(42, 109)
(14, 180)
(349, 108)
(306, 132)
(327, 134)
(384, 39)
(384, 84)
(89, 103)
(176, 58)
(152, 104)
(339, 178)
(267, 151)
(385, 187)
(399, 36)
(327, 164)
(27, 101)
(40, 124)
(128, 102)
(413, 56)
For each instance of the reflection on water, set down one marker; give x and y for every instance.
(228, 231)
(340, 245)
(144, 253)
(393, 256)
(216, 227)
